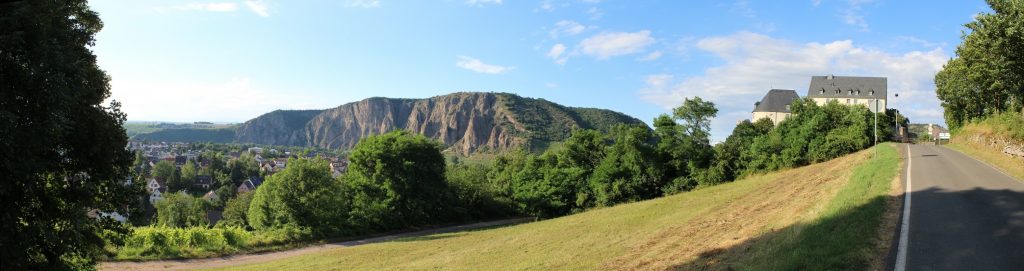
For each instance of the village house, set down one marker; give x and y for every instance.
(211, 196)
(338, 168)
(156, 188)
(849, 90)
(250, 185)
(775, 105)
(204, 182)
(180, 160)
(935, 130)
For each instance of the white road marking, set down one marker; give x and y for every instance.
(901, 253)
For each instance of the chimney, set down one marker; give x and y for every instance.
(830, 77)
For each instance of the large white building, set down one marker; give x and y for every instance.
(869, 91)
(775, 105)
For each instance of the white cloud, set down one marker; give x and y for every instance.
(228, 100)
(853, 14)
(743, 8)
(566, 27)
(211, 7)
(363, 3)
(476, 65)
(755, 63)
(594, 13)
(547, 6)
(651, 57)
(258, 7)
(611, 44)
(482, 2)
(557, 51)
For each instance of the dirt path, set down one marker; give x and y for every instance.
(233, 260)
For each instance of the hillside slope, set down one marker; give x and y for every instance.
(763, 222)
(465, 122)
(997, 140)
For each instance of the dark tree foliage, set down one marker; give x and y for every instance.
(63, 151)
(629, 171)
(181, 210)
(684, 146)
(812, 134)
(236, 211)
(397, 180)
(987, 76)
(727, 164)
(476, 195)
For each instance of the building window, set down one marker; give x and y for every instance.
(872, 92)
(847, 101)
(822, 91)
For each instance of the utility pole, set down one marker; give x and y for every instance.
(897, 117)
(876, 129)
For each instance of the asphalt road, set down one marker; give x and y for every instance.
(963, 214)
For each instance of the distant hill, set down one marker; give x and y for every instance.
(466, 122)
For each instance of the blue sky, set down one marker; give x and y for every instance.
(229, 61)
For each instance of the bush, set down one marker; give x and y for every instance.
(181, 210)
(397, 180)
(303, 195)
(166, 242)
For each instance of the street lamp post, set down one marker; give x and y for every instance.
(899, 135)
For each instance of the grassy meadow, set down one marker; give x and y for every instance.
(824, 216)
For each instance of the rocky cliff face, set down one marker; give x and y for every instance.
(464, 122)
(280, 127)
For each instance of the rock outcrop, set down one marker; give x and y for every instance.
(464, 122)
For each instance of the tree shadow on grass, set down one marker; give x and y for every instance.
(974, 229)
(446, 233)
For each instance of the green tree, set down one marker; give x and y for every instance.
(397, 181)
(728, 154)
(243, 167)
(987, 76)
(304, 194)
(64, 150)
(164, 169)
(181, 210)
(236, 211)
(189, 173)
(629, 170)
(139, 164)
(474, 192)
(175, 183)
(696, 115)
(684, 146)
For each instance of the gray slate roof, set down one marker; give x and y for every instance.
(776, 101)
(848, 87)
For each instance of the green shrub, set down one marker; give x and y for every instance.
(166, 242)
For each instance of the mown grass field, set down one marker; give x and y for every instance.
(823, 216)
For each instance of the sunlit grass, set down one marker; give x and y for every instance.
(680, 231)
